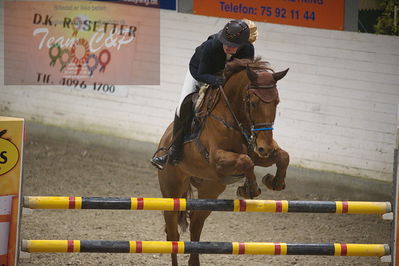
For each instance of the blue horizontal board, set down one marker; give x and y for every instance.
(164, 4)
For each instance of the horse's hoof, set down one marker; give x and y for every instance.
(252, 194)
(242, 192)
(271, 182)
(279, 186)
(267, 181)
(245, 192)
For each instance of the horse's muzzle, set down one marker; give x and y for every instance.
(263, 152)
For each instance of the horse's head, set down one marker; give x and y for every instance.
(258, 85)
(261, 101)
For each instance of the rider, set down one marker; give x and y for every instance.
(233, 41)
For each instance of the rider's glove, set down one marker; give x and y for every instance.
(219, 82)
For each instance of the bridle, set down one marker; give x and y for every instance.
(254, 128)
(259, 126)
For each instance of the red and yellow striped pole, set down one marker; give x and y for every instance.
(180, 247)
(176, 204)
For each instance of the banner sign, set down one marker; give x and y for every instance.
(11, 150)
(325, 14)
(81, 44)
(168, 4)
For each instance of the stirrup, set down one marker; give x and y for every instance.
(159, 161)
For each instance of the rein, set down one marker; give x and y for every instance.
(247, 138)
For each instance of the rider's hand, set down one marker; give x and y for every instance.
(219, 81)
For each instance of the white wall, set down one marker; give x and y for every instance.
(338, 102)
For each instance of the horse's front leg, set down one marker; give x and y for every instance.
(231, 163)
(281, 158)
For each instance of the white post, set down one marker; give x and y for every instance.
(395, 233)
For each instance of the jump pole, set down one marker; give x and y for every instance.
(181, 204)
(180, 247)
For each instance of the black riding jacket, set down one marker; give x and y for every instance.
(209, 59)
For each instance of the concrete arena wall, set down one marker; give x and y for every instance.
(338, 107)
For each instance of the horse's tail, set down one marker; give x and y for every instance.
(182, 221)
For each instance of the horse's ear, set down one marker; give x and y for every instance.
(279, 75)
(251, 74)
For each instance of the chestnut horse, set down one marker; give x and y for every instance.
(236, 135)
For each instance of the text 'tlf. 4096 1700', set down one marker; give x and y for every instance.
(45, 79)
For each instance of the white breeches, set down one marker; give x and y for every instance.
(189, 86)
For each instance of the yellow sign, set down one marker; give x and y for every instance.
(9, 155)
(11, 146)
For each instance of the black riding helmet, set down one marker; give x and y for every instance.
(234, 34)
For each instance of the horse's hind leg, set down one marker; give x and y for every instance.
(171, 229)
(206, 190)
(173, 185)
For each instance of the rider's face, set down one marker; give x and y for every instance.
(229, 49)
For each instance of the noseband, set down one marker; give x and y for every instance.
(262, 127)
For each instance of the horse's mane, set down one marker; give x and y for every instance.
(238, 65)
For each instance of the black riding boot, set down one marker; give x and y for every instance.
(180, 125)
(159, 161)
(176, 150)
